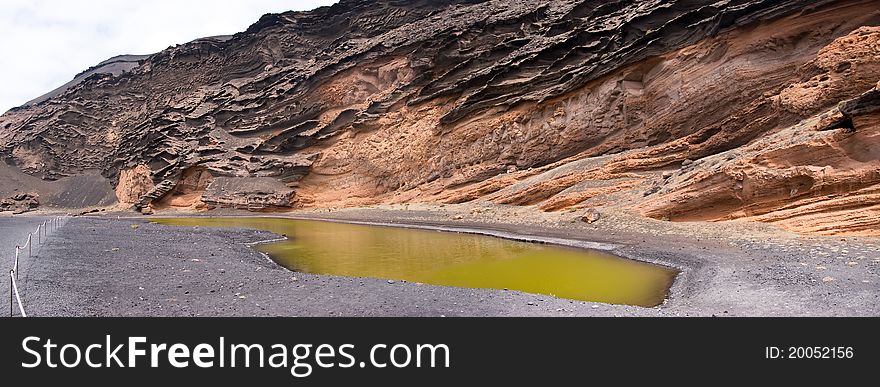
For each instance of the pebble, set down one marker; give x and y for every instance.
(827, 279)
(390, 281)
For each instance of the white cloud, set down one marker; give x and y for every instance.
(44, 43)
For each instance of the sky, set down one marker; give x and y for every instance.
(45, 43)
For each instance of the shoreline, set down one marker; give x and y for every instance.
(724, 269)
(683, 268)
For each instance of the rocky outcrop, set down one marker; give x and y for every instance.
(20, 203)
(559, 104)
(134, 184)
(816, 174)
(251, 193)
(821, 175)
(189, 190)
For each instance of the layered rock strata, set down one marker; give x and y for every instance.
(684, 110)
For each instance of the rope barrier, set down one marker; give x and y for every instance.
(42, 232)
(14, 287)
(15, 264)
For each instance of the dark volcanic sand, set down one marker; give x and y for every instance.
(14, 231)
(98, 266)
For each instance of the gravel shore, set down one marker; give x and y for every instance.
(104, 266)
(14, 232)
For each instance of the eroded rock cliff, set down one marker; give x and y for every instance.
(686, 110)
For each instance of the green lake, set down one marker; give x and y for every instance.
(453, 259)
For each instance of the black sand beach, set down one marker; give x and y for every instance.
(109, 266)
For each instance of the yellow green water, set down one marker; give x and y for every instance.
(453, 259)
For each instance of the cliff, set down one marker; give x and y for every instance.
(683, 110)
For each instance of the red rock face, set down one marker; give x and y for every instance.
(686, 110)
(821, 175)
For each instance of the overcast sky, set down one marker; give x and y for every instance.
(44, 43)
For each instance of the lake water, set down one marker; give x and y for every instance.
(453, 259)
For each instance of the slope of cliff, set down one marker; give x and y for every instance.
(686, 110)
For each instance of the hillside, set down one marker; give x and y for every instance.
(681, 110)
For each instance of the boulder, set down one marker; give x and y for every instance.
(591, 216)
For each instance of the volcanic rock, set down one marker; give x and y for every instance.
(255, 193)
(20, 203)
(591, 216)
(561, 104)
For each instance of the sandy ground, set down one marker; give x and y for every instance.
(101, 265)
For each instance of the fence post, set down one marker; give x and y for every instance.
(10, 293)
